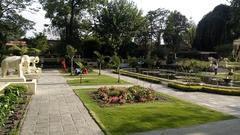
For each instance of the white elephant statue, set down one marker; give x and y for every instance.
(33, 62)
(19, 63)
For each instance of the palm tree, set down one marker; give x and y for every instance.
(71, 53)
(100, 60)
(116, 60)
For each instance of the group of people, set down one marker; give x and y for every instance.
(77, 71)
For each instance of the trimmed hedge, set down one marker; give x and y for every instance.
(140, 76)
(187, 88)
(181, 86)
(208, 89)
(223, 91)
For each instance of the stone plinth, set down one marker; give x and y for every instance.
(13, 79)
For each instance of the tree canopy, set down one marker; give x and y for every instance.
(12, 24)
(176, 25)
(214, 29)
(68, 16)
(118, 22)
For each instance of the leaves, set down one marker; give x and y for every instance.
(12, 24)
(176, 25)
(70, 51)
(118, 22)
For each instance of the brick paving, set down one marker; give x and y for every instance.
(56, 110)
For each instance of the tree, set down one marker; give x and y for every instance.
(67, 16)
(157, 23)
(71, 53)
(117, 61)
(16, 50)
(176, 25)
(189, 35)
(118, 22)
(39, 42)
(214, 29)
(100, 60)
(90, 45)
(235, 19)
(12, 24)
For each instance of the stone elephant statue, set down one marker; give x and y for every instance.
(19, 63)
(33, 62)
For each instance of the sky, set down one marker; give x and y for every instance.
(194, 9)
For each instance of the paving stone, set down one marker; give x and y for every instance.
(54, 107)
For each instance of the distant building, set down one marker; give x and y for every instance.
(16, 43)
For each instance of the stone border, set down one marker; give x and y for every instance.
(100, 125)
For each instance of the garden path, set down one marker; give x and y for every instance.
(56, 110)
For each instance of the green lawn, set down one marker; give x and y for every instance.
(94, 79)
(131, 118)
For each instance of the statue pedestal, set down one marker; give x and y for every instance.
(13, 79)
(32, 76)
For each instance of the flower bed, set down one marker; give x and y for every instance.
(12, 108)
(116, 95)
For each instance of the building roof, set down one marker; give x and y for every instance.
(13, 43)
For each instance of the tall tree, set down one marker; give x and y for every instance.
(118, 22)
(235, 20)
(189, 35)
(157, 24)
(176, 25)
(67, 15)
(39, 42)
(12, 24)
(214, 29)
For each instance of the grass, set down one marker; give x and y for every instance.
(132, 118)
(94, 79)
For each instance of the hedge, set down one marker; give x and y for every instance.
(140, 76)
(183, 87)
(208, 89)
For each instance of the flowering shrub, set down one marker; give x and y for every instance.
(115, 95)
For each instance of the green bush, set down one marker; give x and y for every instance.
(140, 76)
(12, 96)
(223, 91)
(183, 87)
(208, 89)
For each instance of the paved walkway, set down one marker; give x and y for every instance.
(228, 127)
(56, 110)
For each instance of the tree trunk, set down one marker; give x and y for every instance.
(71, 21)
(72, 65)
(100, 68)
(118, 70)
